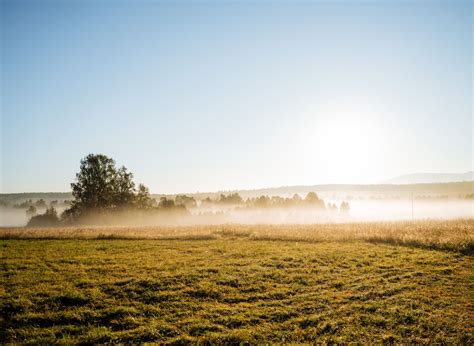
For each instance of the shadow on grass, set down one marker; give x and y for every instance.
(465, 248)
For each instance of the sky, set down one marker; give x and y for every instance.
(207, 96)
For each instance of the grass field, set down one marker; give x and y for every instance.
(400, 282)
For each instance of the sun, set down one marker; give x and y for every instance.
(349, 143)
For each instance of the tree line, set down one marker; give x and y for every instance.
(101, 188)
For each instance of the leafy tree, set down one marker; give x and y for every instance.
(233, 198)
(262, 202)
(95, 183)
(313, 199)
(344, 208)
(143, 199)
(100, 188)
(187, 201)
(40, 203)
(124, 188)
(31, 211)
(23, 205)
(48, 219)
(166, 203)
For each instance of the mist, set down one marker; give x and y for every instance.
(360, 211)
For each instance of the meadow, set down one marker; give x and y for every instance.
(409, 282)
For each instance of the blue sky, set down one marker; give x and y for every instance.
(204, 96)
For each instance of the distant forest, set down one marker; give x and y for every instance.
(104, 192)
(433, 190)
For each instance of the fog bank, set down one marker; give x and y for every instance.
(360, 210)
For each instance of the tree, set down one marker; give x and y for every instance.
(233, 198)
(95, 183)
(100, 189)
(48, 219)
(344, 208)
(143, 199)
(166, 203)
(187, 201)
(332, 207)
(41, 203)
(124, 188)
(31, 211)
(262, 202)
(313, 199)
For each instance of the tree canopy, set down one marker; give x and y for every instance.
(101, 186)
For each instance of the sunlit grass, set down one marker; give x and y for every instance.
(453, 235)
(234, 283)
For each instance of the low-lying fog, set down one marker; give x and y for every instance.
(360, 210)
(16, 217)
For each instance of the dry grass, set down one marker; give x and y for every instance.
(239, 283)
(452, 235)
(233, 290)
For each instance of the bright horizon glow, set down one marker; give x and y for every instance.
(225, 96)
(348, 137)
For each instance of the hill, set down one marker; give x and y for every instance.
(420, 178)
(452, 189)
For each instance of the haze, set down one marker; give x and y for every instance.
(217, 96)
